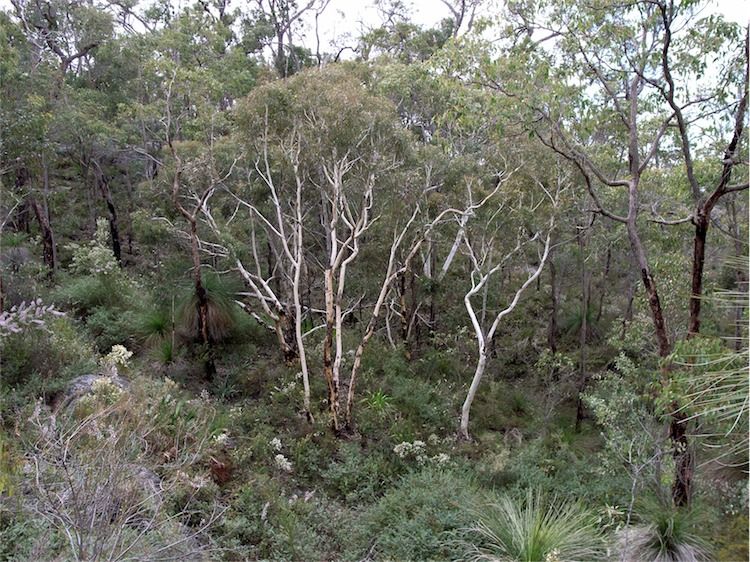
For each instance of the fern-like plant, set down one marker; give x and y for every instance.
(537, 529)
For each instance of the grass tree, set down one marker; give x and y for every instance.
(537, 528)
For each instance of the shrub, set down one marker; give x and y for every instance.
(266, 522)
(122, 472)
(223, 314)
(418, 519)
(40, 360)
(534, 530)
(358, 476)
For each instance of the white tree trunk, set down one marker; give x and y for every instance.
(466, 409)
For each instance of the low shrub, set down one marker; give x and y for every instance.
(419, 518)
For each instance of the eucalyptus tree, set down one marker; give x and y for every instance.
(602, 99)
(676, 83)
(314, 180)
(275, 24)
(458, 131)
(492, 250)
(55, 48)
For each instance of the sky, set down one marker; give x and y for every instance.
(343, 17)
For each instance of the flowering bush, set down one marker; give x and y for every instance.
(23, 316)
(96, 258)
(282, 463)
(117, 357)
(417, 450)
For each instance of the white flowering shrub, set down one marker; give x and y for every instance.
(117, 358)
(95, 258)
(105, 388)
(282, 463)
(417, 451)
(222, 439)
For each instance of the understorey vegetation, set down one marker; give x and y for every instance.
(474, 290)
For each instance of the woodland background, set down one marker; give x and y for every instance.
(476, 291)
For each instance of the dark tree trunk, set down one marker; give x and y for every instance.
(602, 289)
(553, 330)
(48, 240)
(654, 303)
(114, 229)
(699, 259)
(683, 458)
(627, 316)
(287, 337)
(201, 297)
(584, 328)
(22, 222)
(404, 309)
(50, 234)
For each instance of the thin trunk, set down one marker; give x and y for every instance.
(333, 389)
(466, 408)
(683, 458)
(414, 321)
(50, 234)
(114, 229)
(301, 349)
(699, 259)
(583, 333)
(627, 316)
(130, 214)
(657, 314)
(602, 290)
(201, 298)
(299, 263)
(287, 337)
(553, 330)
(404, 314)
(22, 222)
(48, 242)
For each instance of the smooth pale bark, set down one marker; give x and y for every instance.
(333, 384)
(296, 295)
(482, 337)
(475, 381)
(392, 274)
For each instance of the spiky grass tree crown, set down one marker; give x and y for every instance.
(537, 529)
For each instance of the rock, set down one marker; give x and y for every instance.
(81, 386)
(13, 258)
